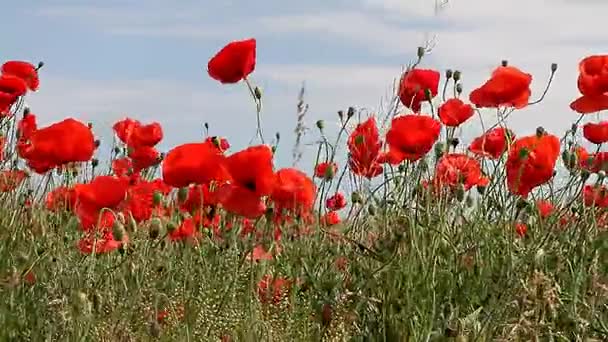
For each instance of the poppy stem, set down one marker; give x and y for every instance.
(258, 109)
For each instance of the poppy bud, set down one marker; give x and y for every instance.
(116, 150)
(553, 67)
(540, 131)
(94, 162)
(371, 210)
(118, 231)
(454, 142)
(341, 115)
(258, 93)
(523, 153)
(26, 111)
(155, 228)
(504, 63)
(481, 189)
(277, 136)
(439, 150)
(320, 124)
(206, 125)
(456, 75)
(40, 65)
(351, 112)
(182, 194)
(522, 204)
(449, 73)
(459, 88)
(427, 94)
(157, 198)
(585, 175)
(460, 192)
(355, 197)
(273, 149)
(171, 226)
(420, 52)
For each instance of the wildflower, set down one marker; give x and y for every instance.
(545, 208)
(521, 229)
(508, 87)
(273, 289)
(595, 196)
(336, 202)
(411, 137)
(11, 179)
(593, 85)
(596, 133)
(198, 163)
(294, 192)
(233, 62)
(23, 70)
(330, 219)
(454, 112)
(418, 85)
(364, 150)
(455, 169)
(326, 170)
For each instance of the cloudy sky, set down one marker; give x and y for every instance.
(147, 59)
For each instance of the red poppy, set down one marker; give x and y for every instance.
(455, 169)
(11, 179)
(596, 133)
(102, 192)
(593, 85)
(61, 198)
(492, 143)
(100, 244)
(198, 163)
(331, 218)
(364, 147)
(545, 208)
(326, 170)
(143, 157)
(294, 192)
(11, 88)
(145, 135)
(221, 143)
(596, 162)
(124, 128)
(252, 178)
(595, 195)
(259, 253)
(336, 202)
(508, 87)
(139, 202)
(122, 167)
(27, 126)
(531, 162)
(198, 197)
(521, 229)
(24, 70)
(273, 289)
(411, 137)
(581, 159)
(185, 231)
(61, 143)
(415, 85)
(233, 62)
(454, 112)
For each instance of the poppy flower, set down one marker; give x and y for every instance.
(596, 162)
(521, 229)
(592, 84)
(595, 195)
(326, 170)
(122, 167)
(455, 169)
(273, 289)
(143, 157)
(508, 87)
(27, 126)
(577, 158)
(233, 62)
(336, 202)
(198, 163)
(61, 198)
(252, 178)
(364, 149)
(124, 128)
(11, 179)
(596, 133)
(454, 112)
(198, 197)
(531, 162)
(23, 70)
(545, 208)
(492, 143)
(11, 88)
(331, 218)
(415, 85)
(185, 231)
(294, 192)
(411, 137)
(61, 143)
(139, 201)
(221, 143)
(145, 135)
(100, 245)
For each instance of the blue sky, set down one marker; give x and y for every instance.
(147, 59)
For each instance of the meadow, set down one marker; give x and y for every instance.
(415, 237)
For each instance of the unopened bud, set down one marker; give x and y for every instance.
(601, 174)
(171, 226)
(553, 67)
(320, 124)
(277, 136)
(258, 93)
(371, 210)
(273, 149)
(428, 94)
(448, 73)
(420, 52)
(156, 226)
(40, 65)
(118, 231)
(454, 142)
(459, 88)
(351, 112)
(117, 150)
(182, 194)
(540, 131)
(504, 63)
(341, 115)
(457, 75)
(460, 192)
(94, 162)
(355, 197)
(439, 150)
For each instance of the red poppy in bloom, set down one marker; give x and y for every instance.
(139, 202)
(124, 128)
(331, 218)
(596, 162)
(493, 143)
(336, 202)
(454, 169)
(11, 88)
(145, 135)
(61, 143)
(273, 289)
(100, 244)
(545, 208)
(186, 231)
(198, 163)
(11, 179)
(23, 70)
(294, 192)
(578, 157)
(102, 192)
(221, 143)
(233, 62)
(27, 126)
(61, 198)
(143, 157)
(596, 133)
(326, 170)
(252, 178)
(364, 149)
(521, 229)
(415, 85)
(508, 87)
(122, 167)
(595, 195)
(198, 197)
(593, 85)
(454, 112)
(531, 162)
(411, 137)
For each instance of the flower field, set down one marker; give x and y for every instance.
(409, 235)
